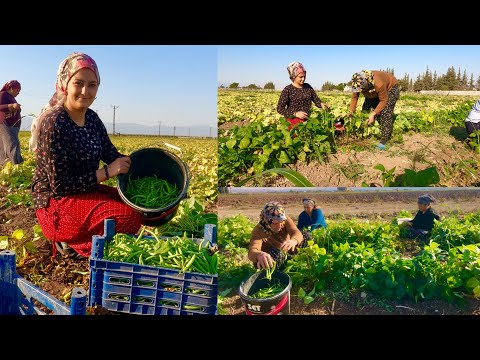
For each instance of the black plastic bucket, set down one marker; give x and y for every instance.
(165, 165)
(275, 305)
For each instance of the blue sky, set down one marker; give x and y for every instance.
(260, 64)
(174, 84)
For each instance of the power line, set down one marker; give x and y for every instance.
(114, 108)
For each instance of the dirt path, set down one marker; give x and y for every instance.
(456, 164)
(385, 204)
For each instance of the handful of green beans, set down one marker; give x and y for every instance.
(177, 252)
(151, 192)
(269, 271)
(275, 288)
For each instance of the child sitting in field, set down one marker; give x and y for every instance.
(422, 224)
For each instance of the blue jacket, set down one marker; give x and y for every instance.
(317, 220)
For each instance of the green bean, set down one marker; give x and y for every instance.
(151, 192)
(270, 291)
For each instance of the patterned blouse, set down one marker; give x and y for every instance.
(294, 99)
(68, 156)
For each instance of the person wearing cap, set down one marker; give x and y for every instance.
(10, 121)
(381, 93)
(296, 99)
(472, 121)
(70, 140)
(275, 236)
(423, 222)
(311, 218)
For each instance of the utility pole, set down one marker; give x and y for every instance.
(159, 126)
(189, 131)
(210, 131)
(174, 128)
(114, 108)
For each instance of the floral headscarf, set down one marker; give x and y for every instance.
(271, 211)
(426, 199)
(294, 69)
(362, 81)
(69, 67)
(12, 84)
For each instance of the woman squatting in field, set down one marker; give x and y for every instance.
(381, 93)
(296, 99)
(70, 140)
(273, 237)
(310, 218)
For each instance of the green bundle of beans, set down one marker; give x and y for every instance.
(177, 252)
(275, 288)
(269, 271)
(151, 192)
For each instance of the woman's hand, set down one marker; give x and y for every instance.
(264, 260)
(119, 166)
(301, 115)
(14, 107)
(371, 119)
(288, 245)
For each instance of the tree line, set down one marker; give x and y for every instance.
(451, 80)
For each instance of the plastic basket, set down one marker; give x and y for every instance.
(149, 290)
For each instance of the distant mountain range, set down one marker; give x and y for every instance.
(139, 129)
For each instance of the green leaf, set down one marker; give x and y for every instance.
(472, 283)
(308, 299)
(427, 177)
(283, 158)
(244, 143)
(302, 156)
(476, 291)
(231, 143)
(296, 178)
(30, 247)
(380, 167)
(301, 293)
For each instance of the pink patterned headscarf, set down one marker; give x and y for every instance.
(294, 69)
(12, 84)
(69, 67)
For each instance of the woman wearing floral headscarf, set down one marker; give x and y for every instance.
(10, 121)
(273, 237)
(296, 99)
(70, 140)
(381, 93)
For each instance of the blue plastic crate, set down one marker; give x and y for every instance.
(149, 290)
(17, 294)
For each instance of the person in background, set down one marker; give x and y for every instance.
(10, 121)
(70, 140)
(381, 93)
(310, 219)
(275, 236)
(472, 121)
(296, 99)
(422, 223)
